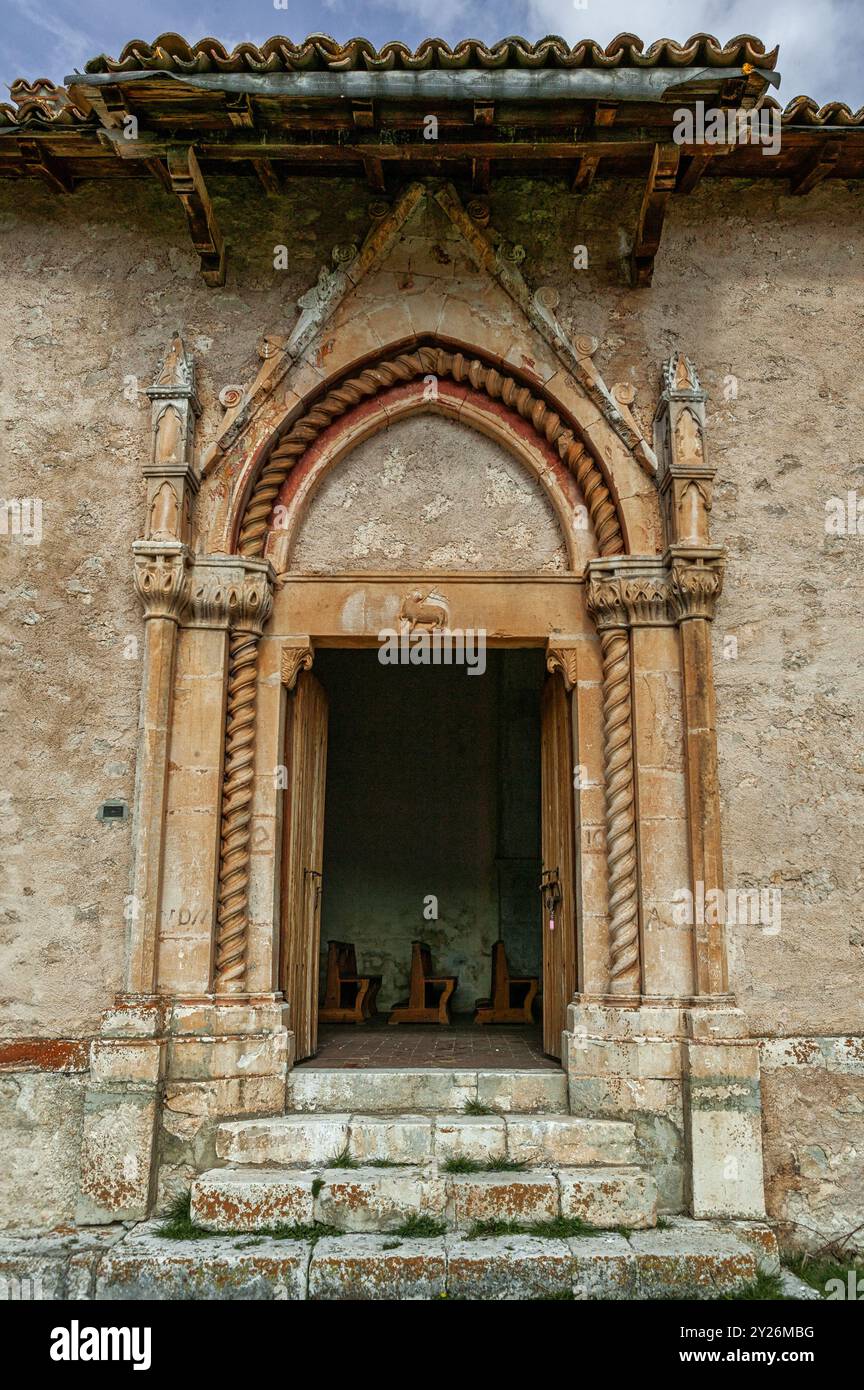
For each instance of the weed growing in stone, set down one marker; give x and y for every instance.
(491, 1165)
(764, 1286)
(425, 1226)
(179, 1225)
(820, 1272)
(559, 1227)
(476, 1107)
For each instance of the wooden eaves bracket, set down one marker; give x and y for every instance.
(649, 228)
(187, 182)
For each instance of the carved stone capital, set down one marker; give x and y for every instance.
(297, 656)
(162, 578)
(252, 599)
(226, 592)
(696, 581)
(629, 591)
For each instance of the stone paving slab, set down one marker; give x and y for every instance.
(508, 1268)
(609, 1196)
(369, 1198)
(246, 1199)
(604, 1266)
(690, 1259)
(147, 1267)
(424, 1090)
(687, 1259)
(372, 1200)
(375, 1267)
(523, 1197)
(539, 1140)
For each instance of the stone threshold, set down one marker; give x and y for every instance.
(685, 1259)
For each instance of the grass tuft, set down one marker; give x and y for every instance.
(559, 1228)
(178, 1223)
(818, 1271)
(763, 1287)
(476, 1107)
(491, 1165)
(421, 1226)
(343, 1159)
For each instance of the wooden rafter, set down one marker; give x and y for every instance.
(267, 176)
(693, 166)
(481, 175)
(188, 183)
(375, 174)
(649, 228)
(586, 169)
(820, 164)
(38, 161)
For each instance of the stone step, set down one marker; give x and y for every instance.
(540, 1141)
(369, 1199)
(686, 1259)
(418, 1090)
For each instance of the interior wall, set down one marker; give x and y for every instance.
(432, 791)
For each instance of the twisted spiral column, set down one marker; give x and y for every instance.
(252, 605)
(624, 969)
(407, 367)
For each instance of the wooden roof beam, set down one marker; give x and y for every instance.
(481, 176)
(649, 228)
(813, 170)
(268, 177)
(694, 165)
(374, 170)
(39, 161)
(188, 183)
(586, 169)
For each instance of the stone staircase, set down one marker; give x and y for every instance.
(359, 1162)
(434, 1183)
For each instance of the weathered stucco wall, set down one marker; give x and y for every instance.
(762, 290)
(764, 293)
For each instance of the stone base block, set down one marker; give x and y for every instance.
(376, 1200)
(609, 1197)
(370, 1268)
(244, 1199)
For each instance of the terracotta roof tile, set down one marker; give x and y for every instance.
(320, 52)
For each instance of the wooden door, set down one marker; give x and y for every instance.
(558, 884)
(303, 856)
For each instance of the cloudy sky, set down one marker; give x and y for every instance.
(820, 40)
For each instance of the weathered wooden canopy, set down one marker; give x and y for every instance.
(181, 112)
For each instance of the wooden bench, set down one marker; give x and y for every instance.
(429, 995)
(348, 997)
(512, 998)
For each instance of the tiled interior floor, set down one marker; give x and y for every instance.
(462, 1044)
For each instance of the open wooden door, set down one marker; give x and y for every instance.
(559, 908)
(302, 858)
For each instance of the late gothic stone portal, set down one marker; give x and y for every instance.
(467, 608)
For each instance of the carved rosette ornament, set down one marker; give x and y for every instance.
(249, 605)
(405, 367)
(162, 578)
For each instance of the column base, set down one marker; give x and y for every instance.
(686, 1075)
(163, 1073)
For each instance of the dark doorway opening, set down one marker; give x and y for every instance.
(432, 830)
